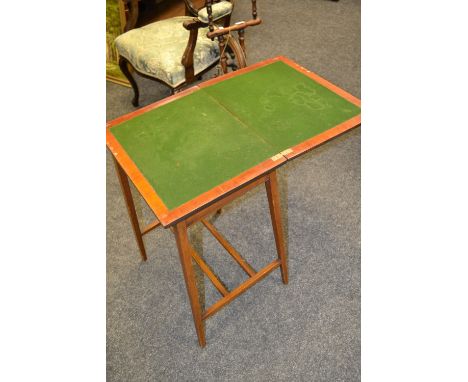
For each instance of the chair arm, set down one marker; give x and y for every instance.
(193, 24)
(187, 59)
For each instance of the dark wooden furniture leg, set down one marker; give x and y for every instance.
(222, 53)
(123, 64)
(185, 254)
(125, 185)
(271, 186)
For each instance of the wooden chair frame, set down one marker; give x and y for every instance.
(187, 59)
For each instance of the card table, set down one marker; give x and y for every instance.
(190, 154)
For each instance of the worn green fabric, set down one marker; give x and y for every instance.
(157, 49)
(189, 146)
(218, 10)
(283, 106)
(197, 142)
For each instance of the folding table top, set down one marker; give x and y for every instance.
(188, 150)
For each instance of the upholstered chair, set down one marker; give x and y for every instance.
(175, 51)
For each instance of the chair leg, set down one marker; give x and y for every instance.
(123, 64)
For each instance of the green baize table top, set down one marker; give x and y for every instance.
(195, 143)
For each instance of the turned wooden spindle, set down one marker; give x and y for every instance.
(254, 9)
(223, 59)
(210, 15)
(242, 40)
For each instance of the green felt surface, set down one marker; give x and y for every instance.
(189, 146)
(283, 106)
(197, 142)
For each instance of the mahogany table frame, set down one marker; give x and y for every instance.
(211, 201)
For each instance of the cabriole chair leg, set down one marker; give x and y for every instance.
(123, 64)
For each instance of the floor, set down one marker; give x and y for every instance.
(308, 330)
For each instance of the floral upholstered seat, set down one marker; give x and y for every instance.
(176, 51)
(156, 50)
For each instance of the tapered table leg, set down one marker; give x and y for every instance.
(271, 186)
(183, 246)
(125, 185)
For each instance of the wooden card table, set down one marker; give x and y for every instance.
(190, 154)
